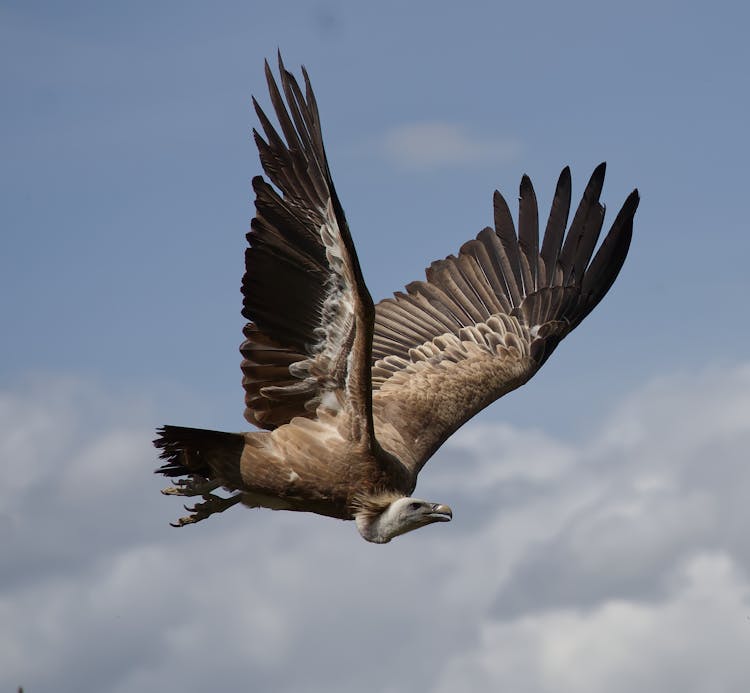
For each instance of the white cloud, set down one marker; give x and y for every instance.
(616, 563)
(431, 145)
(694, 640)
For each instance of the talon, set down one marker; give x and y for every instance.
(189, 519)
(211, 504)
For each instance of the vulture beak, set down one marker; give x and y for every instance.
(440, 513)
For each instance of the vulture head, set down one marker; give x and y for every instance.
(384, 517)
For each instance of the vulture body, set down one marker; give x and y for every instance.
(353, 397)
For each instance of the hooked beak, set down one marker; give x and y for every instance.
(440, 513)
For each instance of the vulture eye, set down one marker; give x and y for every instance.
(415, 506)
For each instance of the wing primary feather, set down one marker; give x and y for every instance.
(313, 114)
(306, 125)
(506, 233)
(589, 238)
(583, 220)
(282, 113)
(610, 257)
(556, 223)
(528, 234)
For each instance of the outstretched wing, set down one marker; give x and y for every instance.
(485, 321)
(308, 339)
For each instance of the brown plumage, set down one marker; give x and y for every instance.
(355, 398)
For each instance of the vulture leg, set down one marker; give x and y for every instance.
(211, 504)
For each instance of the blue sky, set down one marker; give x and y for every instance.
(127, 153)
(127, 156)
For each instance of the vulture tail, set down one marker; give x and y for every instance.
(205, 461)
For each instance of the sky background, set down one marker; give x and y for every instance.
(599, 539)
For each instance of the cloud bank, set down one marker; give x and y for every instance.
(618, 562)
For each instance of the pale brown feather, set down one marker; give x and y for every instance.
(307, 465)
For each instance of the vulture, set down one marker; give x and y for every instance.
(351, 398)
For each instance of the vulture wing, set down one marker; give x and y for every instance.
(485, 321)
(308, 339)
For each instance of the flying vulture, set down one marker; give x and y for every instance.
(354, 398)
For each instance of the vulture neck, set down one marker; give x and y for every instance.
(377, 520)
